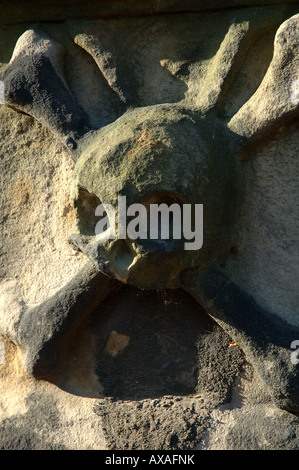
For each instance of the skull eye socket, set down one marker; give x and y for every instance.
(85, 206)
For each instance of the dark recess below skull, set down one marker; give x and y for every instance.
(161, 362)
(153, 337)
(147, 344)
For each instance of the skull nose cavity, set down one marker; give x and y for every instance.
(164, 220)
(124, 257)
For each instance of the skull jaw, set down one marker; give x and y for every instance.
(149, 275)
(152, 266)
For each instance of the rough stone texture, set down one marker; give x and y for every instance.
(249, 422)
(40, 331)
(35, 415)
(276, 100)
(219, 405)
(264, 338)
(36, 209)
(99, 41)
(34, 84)
(266, 259)
(254, 428)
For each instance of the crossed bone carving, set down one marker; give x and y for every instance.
(158, 153)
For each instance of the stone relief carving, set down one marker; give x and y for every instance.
(185, 145)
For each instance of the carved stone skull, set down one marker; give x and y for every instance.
(157, 155)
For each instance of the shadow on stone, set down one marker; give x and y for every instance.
(148, 344)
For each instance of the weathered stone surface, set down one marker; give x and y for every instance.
(197, 74)
(250, 428)
(36, 415)
(265, 263)
(58, 316)
(33, 83)
(264, 338)
(36, 213)
(99, 41)
(248, 422)
(276, 100)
